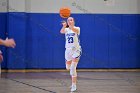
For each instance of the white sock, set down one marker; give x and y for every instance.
(73, 84)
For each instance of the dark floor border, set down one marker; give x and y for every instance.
(63, 70)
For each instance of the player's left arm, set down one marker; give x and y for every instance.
(8, 42)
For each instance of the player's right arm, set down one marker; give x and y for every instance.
(62, 31)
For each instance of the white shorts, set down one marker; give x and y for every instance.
(71, 53)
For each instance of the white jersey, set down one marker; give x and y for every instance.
(72, 38)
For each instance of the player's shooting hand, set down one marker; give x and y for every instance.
(64, 23)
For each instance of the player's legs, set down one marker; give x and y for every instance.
(68, 58)
(73, 73)
(76, 56)
(72, 57)
(68, 65)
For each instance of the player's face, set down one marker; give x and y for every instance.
(70, 21)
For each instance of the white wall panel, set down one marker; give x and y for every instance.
(3, 5)
(77, 6)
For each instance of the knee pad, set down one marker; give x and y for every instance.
(73, 69)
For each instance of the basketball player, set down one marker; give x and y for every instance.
(7, 43)
(73, 48)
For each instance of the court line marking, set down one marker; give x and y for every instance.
(50, 91)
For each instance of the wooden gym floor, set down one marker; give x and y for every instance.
(59, 82)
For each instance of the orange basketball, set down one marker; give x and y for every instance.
(65, 12)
